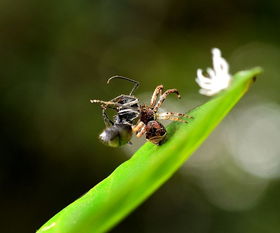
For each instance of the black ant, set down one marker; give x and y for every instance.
(133, 117)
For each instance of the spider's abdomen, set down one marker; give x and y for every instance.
(155, 132)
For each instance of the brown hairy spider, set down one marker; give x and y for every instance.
(148, 123)
(133, 117)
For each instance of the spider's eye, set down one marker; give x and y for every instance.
(117, 135)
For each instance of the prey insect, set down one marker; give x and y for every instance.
(132, 117)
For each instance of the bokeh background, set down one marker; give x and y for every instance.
(56, 55)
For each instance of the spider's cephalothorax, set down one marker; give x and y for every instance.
(119, 130)
(140, 119)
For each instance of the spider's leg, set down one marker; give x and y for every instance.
(163, 97)
(141, 132)
(157, 92)
(172, 116)
(139, 129)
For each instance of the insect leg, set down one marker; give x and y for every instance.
(104, 105)
(157, 92)
(108, 122)
(163, 97)
(117, 99)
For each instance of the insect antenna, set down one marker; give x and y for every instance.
(136, 84)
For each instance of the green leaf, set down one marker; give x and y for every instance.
(136, 179)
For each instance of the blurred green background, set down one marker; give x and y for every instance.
(56, 55)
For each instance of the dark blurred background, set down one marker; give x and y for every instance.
(56, 55)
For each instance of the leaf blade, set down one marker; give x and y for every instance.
(136, 179)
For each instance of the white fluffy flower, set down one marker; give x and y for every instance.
(217, 79)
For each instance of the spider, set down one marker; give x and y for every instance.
(135, 118)
(149, 124)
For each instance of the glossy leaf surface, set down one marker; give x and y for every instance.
(136, 179)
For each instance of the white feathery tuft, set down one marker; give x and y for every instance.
(217, 79)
